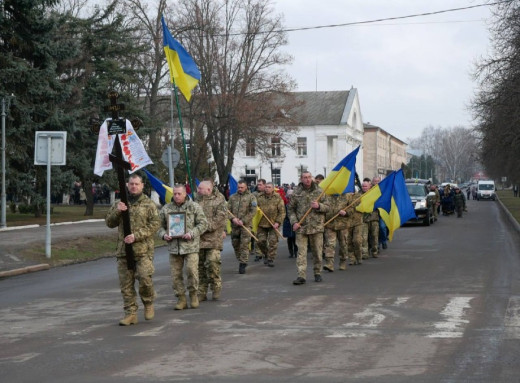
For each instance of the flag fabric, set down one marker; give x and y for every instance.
(132, 147)
(379, 196)
(197, 182)
(341, 179)
(401, 209)
(165, 192)
(232, 185)
(183, 70)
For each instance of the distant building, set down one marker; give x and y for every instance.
(330, 126)
(382, 152)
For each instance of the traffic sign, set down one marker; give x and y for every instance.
(176, 156)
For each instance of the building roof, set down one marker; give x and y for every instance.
(320, 108)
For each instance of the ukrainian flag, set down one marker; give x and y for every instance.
(341, 179)
(401, 209)
(232, 184)
(379, 196)
(183, 70)
(165, 192)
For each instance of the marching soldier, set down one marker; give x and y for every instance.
(337, 229)
(183, 249)
(242, 208)
(213, 204)
(272, 208)
(357, 230)
(144, 222)
(310, 230)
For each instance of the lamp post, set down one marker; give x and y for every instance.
(4, 113)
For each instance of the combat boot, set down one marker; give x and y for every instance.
(128, 320)
(194, 300)
(216, 294)
(329, 266)
(343, 264)
(149, 312)
(181, 303)
(202, 297)
(242, 268)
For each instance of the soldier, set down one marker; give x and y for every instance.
(211, 242)
(436, 201)
(260, 187)
(183, 249)
(373, 227)
(337, 229)
(271, 204)
(357, 230)
(144, 222)
(311, 228)
(242, 208)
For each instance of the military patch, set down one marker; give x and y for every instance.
(254, 204)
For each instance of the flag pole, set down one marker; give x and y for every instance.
(349, 205)
(270, 222)
(174, 91)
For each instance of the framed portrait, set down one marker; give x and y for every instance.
(176, 224)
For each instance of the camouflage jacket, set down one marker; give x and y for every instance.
(243, 206)
(196, 224)
(144, 222)
(374, 216)
(357, 218)
(336, 203)
(214, 207)
(273, 207)
(301, 202)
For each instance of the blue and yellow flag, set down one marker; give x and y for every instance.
(379, 196)
(401, 209)
(183, 70)
(341, 179)
(165, 192)
(232, 185)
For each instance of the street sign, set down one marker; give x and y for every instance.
(58, 148)
(176, 156)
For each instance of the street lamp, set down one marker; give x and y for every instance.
(4, 113)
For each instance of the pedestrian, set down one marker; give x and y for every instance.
(272, 209)
(436, 201)
(258, 190)
(336, 230)
(183, 248)
(242, 208)
(459, 201)
(515, 190)
(213, 204)
(310, 229)
(144, 223)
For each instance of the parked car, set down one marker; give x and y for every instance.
(422, 199)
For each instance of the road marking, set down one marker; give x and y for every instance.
(512, 318)
(20, 358)
(453, 313)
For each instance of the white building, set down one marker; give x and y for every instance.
(330, 127)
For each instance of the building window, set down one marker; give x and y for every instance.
(276, 177)
(301, 144)
(250, 147)
(276, 147)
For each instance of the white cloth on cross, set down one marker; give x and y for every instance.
(132, 147)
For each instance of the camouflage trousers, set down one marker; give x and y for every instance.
(209, 270)
(316, 243)
(240, 239)
(143, 274)
(331, 236)
(192, 272)
(373, 237)
(357, 243)
(267, 242)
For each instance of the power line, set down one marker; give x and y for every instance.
(375, 20)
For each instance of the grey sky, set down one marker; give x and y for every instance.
(410, 73)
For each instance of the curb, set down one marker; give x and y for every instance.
(508, 214)
(25, 270)
(52, 224)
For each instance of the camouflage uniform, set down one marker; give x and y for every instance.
(373, 233)
(436, 203)
(311, 230)
(357, 233)
(274, 208)
(211, 242)
(242, 206)
(337, 229)
(144, 222)
(181, 250)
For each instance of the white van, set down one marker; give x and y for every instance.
(486, 190)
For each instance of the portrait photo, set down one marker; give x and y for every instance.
(176, 224)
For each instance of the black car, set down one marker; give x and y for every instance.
(423, 200)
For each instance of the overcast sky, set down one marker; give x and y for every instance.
(409, 73)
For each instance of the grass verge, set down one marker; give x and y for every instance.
(511, 202)
(60, 213)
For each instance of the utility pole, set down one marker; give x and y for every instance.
(5, 108)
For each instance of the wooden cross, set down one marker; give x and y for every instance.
(117, 126)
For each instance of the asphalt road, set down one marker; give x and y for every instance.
(442, 304)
